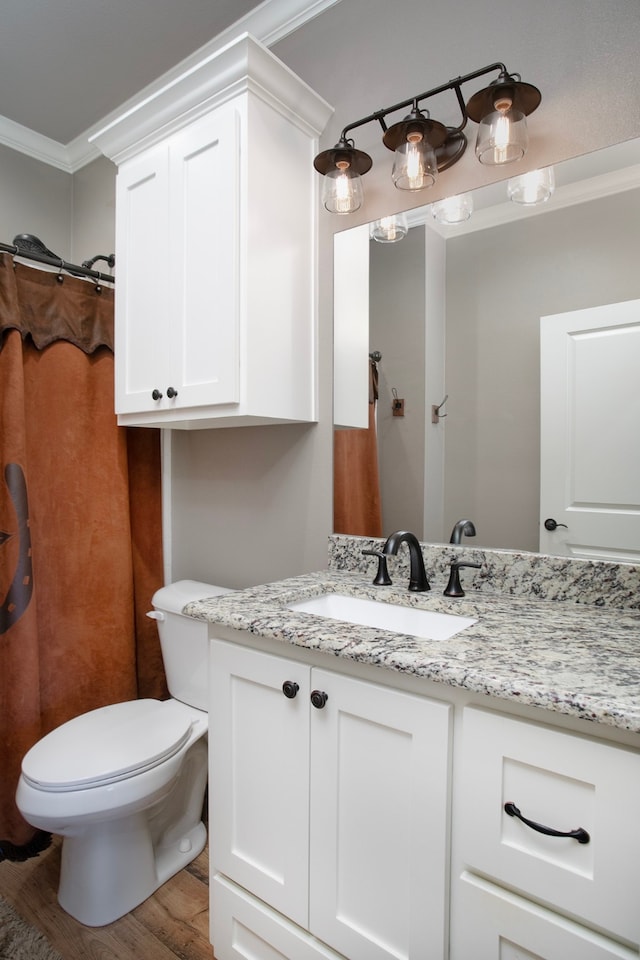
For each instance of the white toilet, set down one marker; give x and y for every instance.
(124, 785)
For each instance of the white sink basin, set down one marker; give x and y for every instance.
(425, 624)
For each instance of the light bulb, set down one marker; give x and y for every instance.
(453, 210)
(533, 187)
(389, 229)
(502, 135)
(342, 189)
(415, 165)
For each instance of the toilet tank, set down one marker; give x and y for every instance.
(184, 641)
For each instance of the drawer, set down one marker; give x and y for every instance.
(498, 925)
(563, 781)
(244, 928)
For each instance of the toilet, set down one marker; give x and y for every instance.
(124, 785)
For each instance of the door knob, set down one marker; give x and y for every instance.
(171, 392)
(551, 524)
(156, 395)
(290, 689)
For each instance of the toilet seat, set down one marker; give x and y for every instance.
(107, 745)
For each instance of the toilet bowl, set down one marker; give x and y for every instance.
(124, 785)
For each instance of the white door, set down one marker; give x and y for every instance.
(590, 432)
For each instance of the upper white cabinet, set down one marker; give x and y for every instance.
(215, 246)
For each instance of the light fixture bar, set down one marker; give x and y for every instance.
(423, 146)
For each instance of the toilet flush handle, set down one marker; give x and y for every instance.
(155, 615)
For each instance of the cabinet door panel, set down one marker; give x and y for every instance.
(141, 296)
(379, 797)
(205, 215)
(259, 743)
(562, 781)
(246, 929)
(495, 924)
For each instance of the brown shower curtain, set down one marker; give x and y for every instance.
(357, 506)
(80, 534)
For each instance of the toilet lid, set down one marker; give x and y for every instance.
(105, 745)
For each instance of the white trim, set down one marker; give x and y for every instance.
(270, 22)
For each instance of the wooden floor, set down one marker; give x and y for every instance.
(174, 922)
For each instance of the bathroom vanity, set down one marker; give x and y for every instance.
(359, 776)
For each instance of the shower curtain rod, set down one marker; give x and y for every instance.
(28, 253)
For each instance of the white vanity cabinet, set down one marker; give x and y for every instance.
(215, 300)
(329, 813)
(522, 894)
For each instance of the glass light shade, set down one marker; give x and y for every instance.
(389, 229)
(342, 189)
(533, 187)
(502, 137)
(453, 210)
(415, 166)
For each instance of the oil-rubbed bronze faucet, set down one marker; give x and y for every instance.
(454, 587)
(417, 575)
(462, 527)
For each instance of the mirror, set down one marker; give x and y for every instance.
(456, 311)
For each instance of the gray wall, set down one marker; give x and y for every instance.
(37, 199)
(361, 55)
(275, 484)
(499, 283)
(397, 330)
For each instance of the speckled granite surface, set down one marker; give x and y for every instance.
(573, 658)
(509, 572)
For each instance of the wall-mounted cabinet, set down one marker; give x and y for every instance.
(216, 246)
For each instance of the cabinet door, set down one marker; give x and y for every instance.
(259, 776)
(142, 316)
(205, 295)
(379, 821)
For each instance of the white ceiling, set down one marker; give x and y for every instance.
(65, 64)
(69, 66)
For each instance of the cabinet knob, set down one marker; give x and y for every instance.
(290, 689)
(171, 393)
(319, 698)
(156, 395)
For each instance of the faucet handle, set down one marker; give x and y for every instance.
(454, 588)
(382, 578)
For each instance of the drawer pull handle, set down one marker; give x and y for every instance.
(580, 835)
(290, 689)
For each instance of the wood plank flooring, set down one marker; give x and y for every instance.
(174, 922)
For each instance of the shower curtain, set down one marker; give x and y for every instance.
(357, 505)
(80, 534)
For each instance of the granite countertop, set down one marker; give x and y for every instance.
(583, 661)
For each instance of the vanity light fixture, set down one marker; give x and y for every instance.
(389, 229)
(423, 146)
(533, 187)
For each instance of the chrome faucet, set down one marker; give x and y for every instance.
(417, 575)
(462, 527)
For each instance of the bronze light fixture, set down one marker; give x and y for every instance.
(423, 146)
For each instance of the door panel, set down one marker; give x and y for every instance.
(590, 432)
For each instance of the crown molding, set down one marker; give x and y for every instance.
(268, 23)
